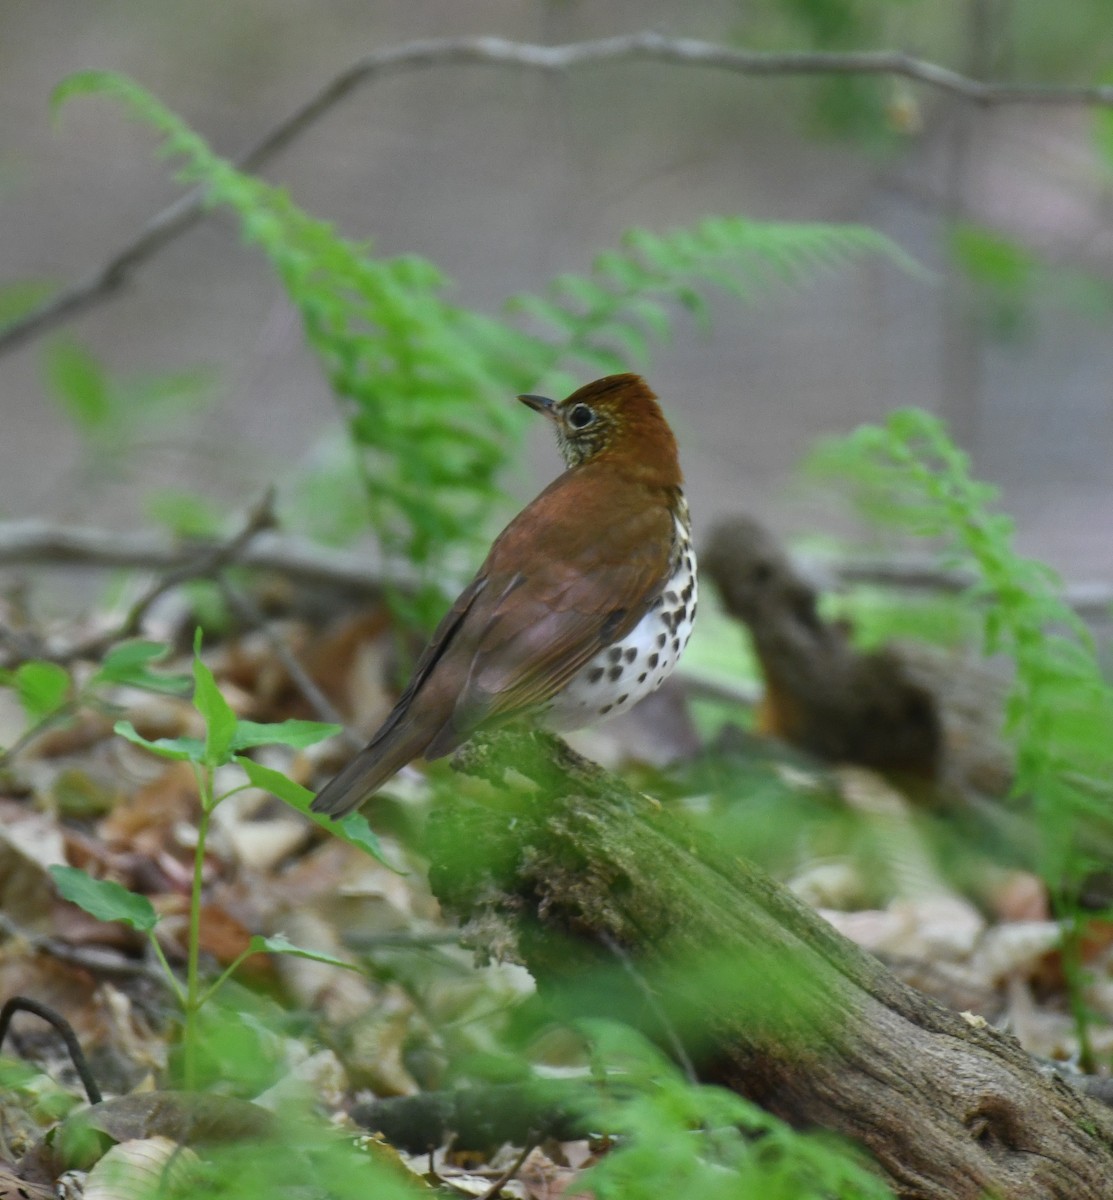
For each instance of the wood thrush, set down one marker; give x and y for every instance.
(582, 607)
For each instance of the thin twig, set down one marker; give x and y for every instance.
(35, 542)
(94, 959)
(64, 1028)
(188, 209)
(509, 1173)
(642, 984)
(204, 565)
(62, 713)
(322, 706)
(41, 543)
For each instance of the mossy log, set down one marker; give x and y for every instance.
(621, 908)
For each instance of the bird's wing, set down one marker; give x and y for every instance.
(574, 572)
(437, 646)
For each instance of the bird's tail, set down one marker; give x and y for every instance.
(371, 768)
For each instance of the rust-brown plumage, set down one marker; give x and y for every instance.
(573, 573)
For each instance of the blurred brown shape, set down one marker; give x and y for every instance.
(914, 711)
(821, 694)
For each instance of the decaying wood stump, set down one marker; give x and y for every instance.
(563, 868)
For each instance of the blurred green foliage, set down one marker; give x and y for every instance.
(116, 416)
(1060, 708)
(685, 1140)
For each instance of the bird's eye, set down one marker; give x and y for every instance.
(581, 417)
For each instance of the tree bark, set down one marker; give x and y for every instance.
(621, 908)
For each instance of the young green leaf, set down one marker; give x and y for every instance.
(296, 734)
(220, 720)
(129, 663)
(180, 749)
(279, 943)
(78, 381)
(41, 687)
(103, 899)
(184, 513)
(352, 828)
(19, 297)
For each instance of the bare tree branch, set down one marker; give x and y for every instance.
(184, 212)
(39, 543)
(203, 565)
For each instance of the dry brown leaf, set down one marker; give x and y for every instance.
(262, 845)
(164, 717)
(1017, 949)
(30, 842)
(144, 821)
(545, 1179)
(1019, 896)
(66, 989)
(143, 1169)
(192, 1118)
(83, 732)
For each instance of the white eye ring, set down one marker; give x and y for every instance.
(581, 417)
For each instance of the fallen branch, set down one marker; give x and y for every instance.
(41, 543)
(205, 563)
(769, 999)
(480, 1116)
(186, 211)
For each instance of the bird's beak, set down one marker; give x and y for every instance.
(541, 404)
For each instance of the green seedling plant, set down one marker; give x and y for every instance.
(226, 740)
(50, 696)
(1059, 710)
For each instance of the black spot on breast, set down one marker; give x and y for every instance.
(614, 653)
(671, 598)
(605, 709)
(623, 699)
(642, 677)
(695, 605)
(630, 653)
(676, 645)
(662, 639)
(654, 657)
(595, 674)
(614, 674)
(686, 594)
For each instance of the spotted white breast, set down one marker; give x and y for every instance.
(618, 677)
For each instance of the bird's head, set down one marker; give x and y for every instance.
(615, 419)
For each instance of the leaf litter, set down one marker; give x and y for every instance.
(416, 1007)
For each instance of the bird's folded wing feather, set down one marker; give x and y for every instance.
(560, 586)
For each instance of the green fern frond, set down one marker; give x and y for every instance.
(1060, 710)
(424, 398)
(423, 384)
(607, 316)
